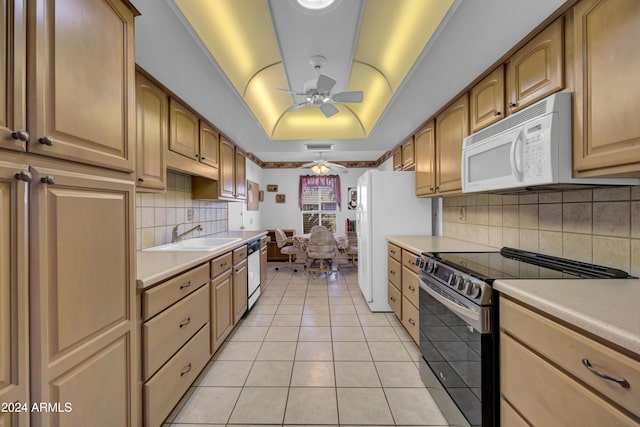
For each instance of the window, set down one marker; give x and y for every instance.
(319, 201)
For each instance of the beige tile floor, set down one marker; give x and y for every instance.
(311, 353)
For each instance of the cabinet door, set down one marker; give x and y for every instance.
(12, 74)
(222, 315)
(606, 129)
(241, 176)
(209, 145)
(486, 100)
(425, 154)
(14, 327)
(240, 282)
(408, 158)
(152, 120)
(227, 162)
(82, 296)
(397, 159)
(452, 125)
(82, 84)
(263, 268)
(536, 70)
(184, 130)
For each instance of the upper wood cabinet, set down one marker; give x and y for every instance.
(209, 145)
(408, 155)
(184, 130)
(231, 183)
(452, 126)
(14, 324)
(425, 160)
(227, 165)
(13, 122)
(152, 130)
(537, 69)
(605, 60)
(240, 175)
(397, 159)
(84, 353)
(486, 100)
(81, 83)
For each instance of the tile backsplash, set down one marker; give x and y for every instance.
(158, 213)
(600, 226)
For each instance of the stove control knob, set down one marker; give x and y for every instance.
(461, 283)
(435, 267)
(474, 291)
(466, 285)
(429, 266)
(454, 280)
(419, 263)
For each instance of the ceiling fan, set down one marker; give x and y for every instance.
(323, 167)
(318, 91)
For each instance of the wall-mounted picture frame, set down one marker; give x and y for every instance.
(352, 198)
(253, 189)
(272, 188)
(281, 198)
(261, 196)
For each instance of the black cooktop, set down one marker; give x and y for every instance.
(512, 263)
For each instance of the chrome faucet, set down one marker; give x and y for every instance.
(175, 237)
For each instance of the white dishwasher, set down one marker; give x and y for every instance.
(253, 269)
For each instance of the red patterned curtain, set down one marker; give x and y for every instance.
(332, 181)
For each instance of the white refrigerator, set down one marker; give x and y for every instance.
(387, 205)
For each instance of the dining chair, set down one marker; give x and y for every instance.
(321, 248)
(290, 251)
(318, 228)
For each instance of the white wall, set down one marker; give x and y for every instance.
(387, 165)
(287, 215)
(239, 217)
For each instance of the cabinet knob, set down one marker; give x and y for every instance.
(203, 158)
(23, 176)
(48, 179)
(21, 135)
(513, 104)
(46, 140)
(195, 155)
(140, 179)
(497, 113)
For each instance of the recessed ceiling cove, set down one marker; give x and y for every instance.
(262, 46)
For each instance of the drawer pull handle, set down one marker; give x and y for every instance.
(185, 322)
(412, 322)
(392, 299)
(392, 272)
(186, 370)
(623, 383)
(185, 285)
(411, 288)
(223, 264)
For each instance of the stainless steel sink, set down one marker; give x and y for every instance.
(201, 244)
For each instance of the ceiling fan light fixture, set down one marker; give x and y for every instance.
(315, 4)
(320, 169)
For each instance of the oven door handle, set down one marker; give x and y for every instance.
(469, 316)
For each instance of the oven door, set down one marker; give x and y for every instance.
(457, 353)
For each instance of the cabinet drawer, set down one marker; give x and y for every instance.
(162, 296)
(566, 349)
(410, 286)
(395, 300)
(509, 417)
(394, 273)
(164, 390)
(547, 397)
(220, 264)
(263, 242)
(167, 332)
(410, 319)
(395, 252)
(239, 254)
(409, 261)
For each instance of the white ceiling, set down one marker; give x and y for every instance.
(474, 35)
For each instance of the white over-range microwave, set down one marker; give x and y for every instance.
(529, 150)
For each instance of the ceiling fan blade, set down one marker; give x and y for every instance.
(308, 165)
(348, 96)
(325, 83)
(337, 167)
(328, 110)
(289, 91)
(296, 106)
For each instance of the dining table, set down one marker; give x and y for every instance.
(302, 240)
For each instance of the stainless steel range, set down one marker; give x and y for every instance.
(459, 323)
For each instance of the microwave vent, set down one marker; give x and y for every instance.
(514, 120)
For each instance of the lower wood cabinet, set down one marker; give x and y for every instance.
(263, 264)
(222, 314)
(84, 335)
(548, 356)
(240, 282)
(403, 288)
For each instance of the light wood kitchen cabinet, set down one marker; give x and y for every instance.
(408, 155)
(83, 326)
(81, 83)
(240, 283)
(425, 154)
(397, 159)
(13, 121)
(184, 136)
(263, 263)
(231, 184)
(14, 296)
(410, 294)
(394, 278)
(152, 118)
(222, 310)
(227, 174)
(240, 175)
(537, 69)
(561, 389)
(452, 126)
(486, 100)
(606, 130)
(209, 145)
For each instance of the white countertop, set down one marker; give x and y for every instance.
(605, 308)
(418, 244)
(153, 267)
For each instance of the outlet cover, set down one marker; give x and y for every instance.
(190, 214)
